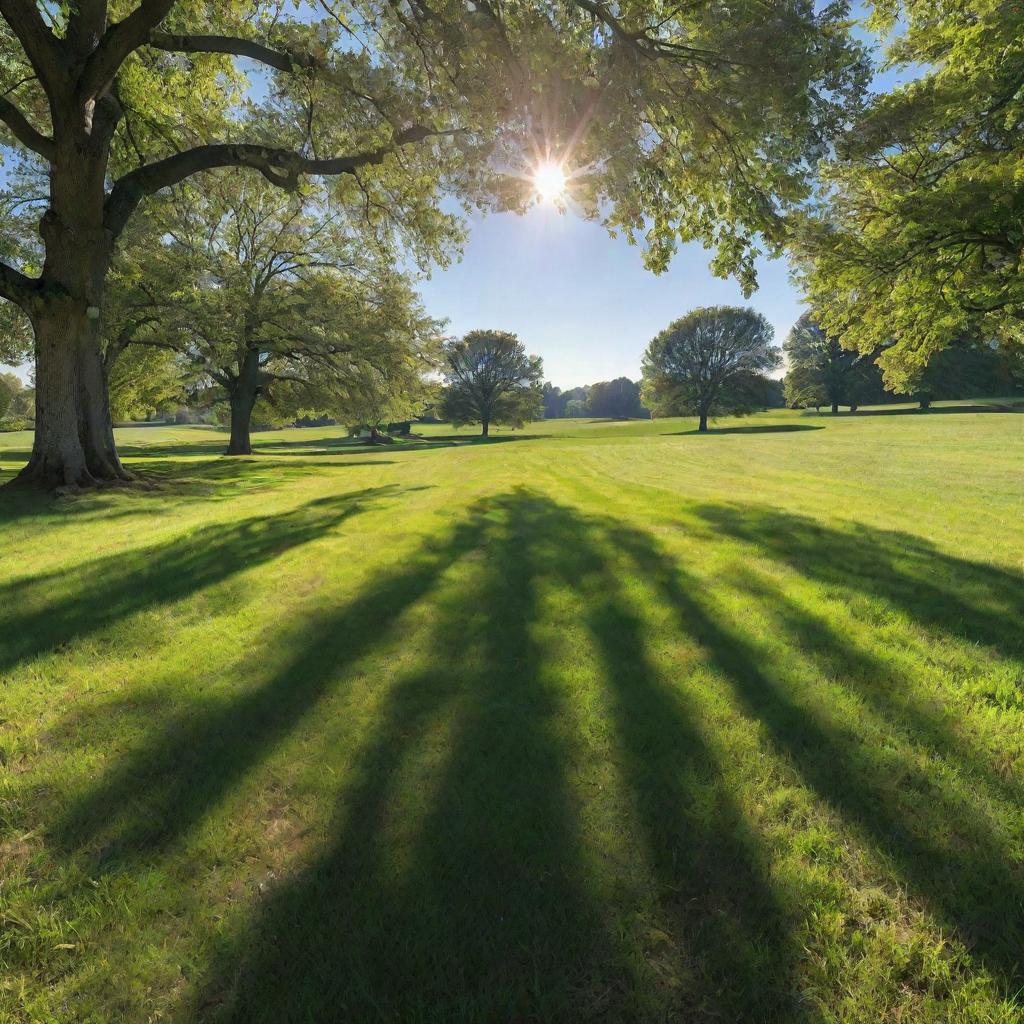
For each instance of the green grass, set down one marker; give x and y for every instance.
(593, 722)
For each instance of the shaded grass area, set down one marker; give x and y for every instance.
(501, 734)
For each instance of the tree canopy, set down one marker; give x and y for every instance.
(673, 123)
(616, 399)
(271, 296)
(917, 238)
(489, 378)
(710, 362)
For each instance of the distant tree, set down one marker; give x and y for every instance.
(10, 387)
(144, 379)
(275, 298)
(554, 401)
(710, 362)
(618, 399)
(576, 408)
(822, 372)
(489, 379)
(376, 396)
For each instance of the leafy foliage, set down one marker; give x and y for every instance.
(710, 362)
(919, 236)
(489, 378)
(618, 399)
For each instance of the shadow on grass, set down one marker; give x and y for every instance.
(767, 428)
(49, 611)
(935, 410)
(944, 848)
(459, 880)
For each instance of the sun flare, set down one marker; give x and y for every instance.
(549, 180)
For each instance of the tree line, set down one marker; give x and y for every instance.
(617, 399)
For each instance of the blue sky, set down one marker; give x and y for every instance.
(581, 299)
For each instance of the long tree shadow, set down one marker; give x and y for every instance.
(763, 428)
(981, 603)
(881, 683)
(466, 890)
(460, 893)
(947, 854)
(155, 795)
(45, 611)
(732, 944)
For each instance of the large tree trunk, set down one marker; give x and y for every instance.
(702, 423)
(243, 394)
(74, 437)
(835, 407)
(241, 423)
(485, 426)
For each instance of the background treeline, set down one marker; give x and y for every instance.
(617, 399)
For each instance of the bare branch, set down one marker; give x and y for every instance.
(288, 61)
(24, 132)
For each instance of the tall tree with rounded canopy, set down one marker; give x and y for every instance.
(674, 122)
(489, 378)
(710, 362)
(618, 399)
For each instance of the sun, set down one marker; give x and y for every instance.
(549, 180)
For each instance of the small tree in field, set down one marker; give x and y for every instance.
(710, 362)
(490, 379)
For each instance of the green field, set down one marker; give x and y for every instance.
(592, 722)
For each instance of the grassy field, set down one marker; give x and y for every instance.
(593, 722)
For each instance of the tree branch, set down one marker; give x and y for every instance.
(41, 46)
(281, 60)
(118, 42)
(281, 167)
(16, 287)
(24, 132)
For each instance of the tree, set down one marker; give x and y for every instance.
(710, 362)
(917, 239)
(144, 379)
(576, 408)
(271, 296)
(489, 378)
(377, 396)
(112, 102)
(822, 372)
(10, 388)
(553, 401)
(618, 399)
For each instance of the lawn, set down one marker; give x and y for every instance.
(593, 722)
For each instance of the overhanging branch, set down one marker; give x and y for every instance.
(41, 46)
(287, 61)
(16, 287)
(282, 167)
